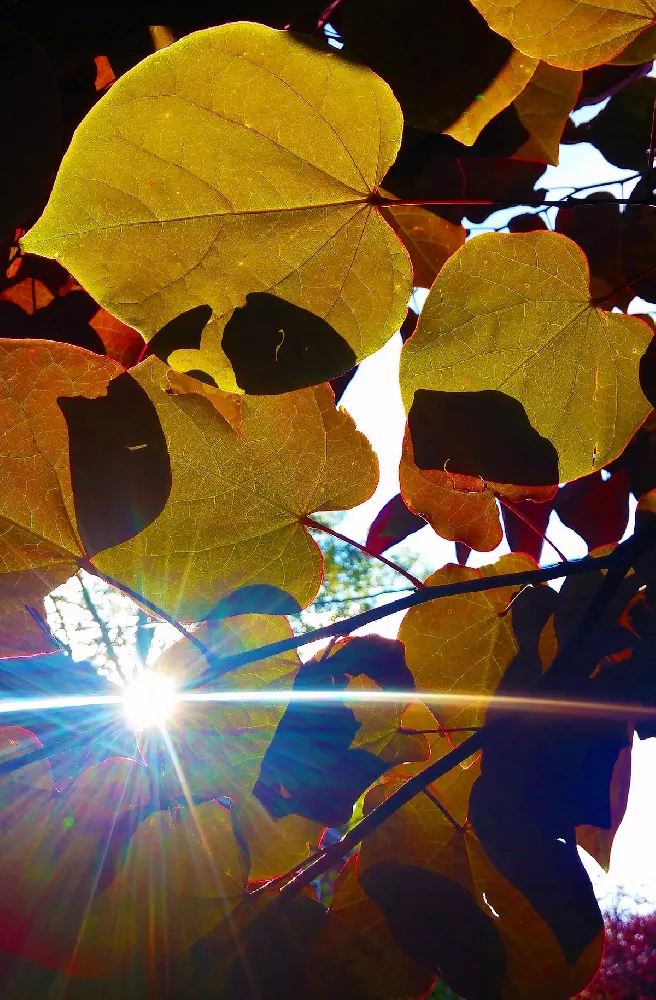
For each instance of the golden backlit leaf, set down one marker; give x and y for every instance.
(228, 404)
(503, 90)
(270, 846)
(462, 645)
(228, 165)
(429, 239)
(543, 108)
(641, 50)
(40, 541)
(542, 383)
(574, 34)
(180, 878)
(220, 745)
(235, 510)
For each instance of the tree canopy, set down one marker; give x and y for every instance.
(211, 214)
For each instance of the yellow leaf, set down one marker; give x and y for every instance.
(158, 490)
(641, 50)
(272, 846)
(573, 34)
(543, 108)
(463, 645)
(429, 239)
(228, 170)
(228, 404)
(235, 510)
(518, 377)
(503, 90)
(180, 879)
(220, 745)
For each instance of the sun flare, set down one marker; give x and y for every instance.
(149, 701)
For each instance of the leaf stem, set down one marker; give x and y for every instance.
(522, 517)
(482, 202)
(445, 812)
(309, 522)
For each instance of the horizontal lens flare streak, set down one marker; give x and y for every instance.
(509, 703)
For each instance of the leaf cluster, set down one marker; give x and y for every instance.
(211, 216)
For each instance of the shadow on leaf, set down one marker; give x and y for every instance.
(275, 346)
(120, 467)
(483, 434)
(310, 767)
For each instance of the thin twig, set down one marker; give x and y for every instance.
(445, 812)
(522, 517)
(485, 202)
(309, 522)
(211, 657)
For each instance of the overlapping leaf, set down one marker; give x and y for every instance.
(325, 755)
(572, 34)
(159, 489)
(228, 171)
(462, 646)
(543, 108)
(220, 745)
(459, 508)
(504, 320)
(442, 897)
(429, 240)
(505, 87)
(355, 955)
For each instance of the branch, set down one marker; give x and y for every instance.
(482, 202)
(564, 665)
(223, 664)
(309, 522)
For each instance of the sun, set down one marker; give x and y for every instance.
(149, 701)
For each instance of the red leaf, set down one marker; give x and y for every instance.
(392, 524)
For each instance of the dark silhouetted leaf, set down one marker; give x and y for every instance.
(394, 522)
(622, 129)
(315, 765)
(256, 599)
(484, 434)
(454, 56)
(595, 509)
(523, 537)
(30, 124)
(437, 922)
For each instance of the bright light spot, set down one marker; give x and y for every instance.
(149, 701)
